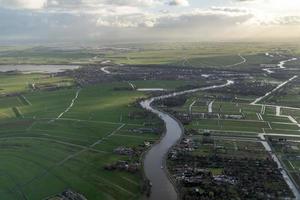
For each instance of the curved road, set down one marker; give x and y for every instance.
(155, 162)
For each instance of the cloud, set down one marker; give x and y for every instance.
(198, 17)
(24, 4)
(179, 3)
(289, 20)
(115, 25)
(128, 21)
(132, 20)
(280, 21)
(134, 2)
(230, 9)
(75, 4)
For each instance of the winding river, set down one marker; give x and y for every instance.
(155, 162)
(280, 65)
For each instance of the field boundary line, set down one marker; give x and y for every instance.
(108, 136)
(130, 181)
(56, 141)
(69, 107)
(133, 136)
(64, 132)
(25, 99)
(70, 157)
(115, 185)
(84, 120)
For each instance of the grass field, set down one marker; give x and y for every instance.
(229, 125)
(200, 54)
(51, 141)
(231, 148)
(47, 55)
(20, 82)
(256, 118)
(176, 54)
(290, 97)
(165, 84)
(43, 154)
(288, 152)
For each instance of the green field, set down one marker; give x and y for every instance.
(229, 125)
(216, 55)
(289, 97)
(56, 136)
(231, 148)
(166, 84)
(288, 152)
(187, 54)
(42, 155)
(46, 55)
(255, 119)
(16, 83)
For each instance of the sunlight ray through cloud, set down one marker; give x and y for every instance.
(105, 18)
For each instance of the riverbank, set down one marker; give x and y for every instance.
(155, 158)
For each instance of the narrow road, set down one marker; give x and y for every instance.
(285, 175)
(269, 55)
(268, 70)
(210, 107)
(185, 62)
(267, 146)
(150, 89)
(244, 60)
(191, 107)
(105, 70)
(132, 86)
(278, 111)
(274, 90)
(155, 158)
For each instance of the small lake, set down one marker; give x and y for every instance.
(37, 68)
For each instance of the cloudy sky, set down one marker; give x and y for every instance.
(148, 20)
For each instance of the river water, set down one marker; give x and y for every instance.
(155, 158)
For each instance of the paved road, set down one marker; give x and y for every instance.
(210, 107)
(105, 70)
(274, 90)
(285, 175)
